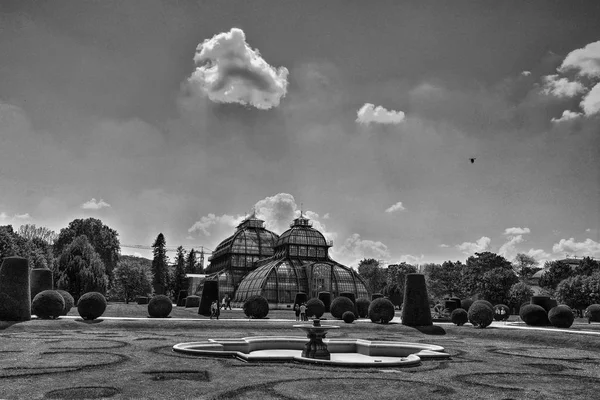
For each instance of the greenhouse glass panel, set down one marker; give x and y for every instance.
(344, 279)
(312, 251)
(302, 251)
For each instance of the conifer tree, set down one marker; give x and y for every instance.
(160, 269)
(179, 278)
(190, 262)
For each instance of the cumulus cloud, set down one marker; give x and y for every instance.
(95, 205)
(586, 248)
(566, 116)
(354, 249)
(277, 211)
(228, 70)
(207, 222)
(395, 207)
(516, 231)
(470, 248)
(586, 61)
(508, 250)
(526, 73)
(410, 259)
(444, 245)
(561, 87)
(591, 102)
(539, 255)
(369, 113)
(6, 219)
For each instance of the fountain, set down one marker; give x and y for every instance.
(318, 350)
(316, 332)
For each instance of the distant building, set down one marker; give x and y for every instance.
(573, 262)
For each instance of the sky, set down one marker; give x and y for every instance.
(184, 117)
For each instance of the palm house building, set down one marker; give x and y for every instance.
(255, 261)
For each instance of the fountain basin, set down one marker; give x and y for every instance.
(344, 352)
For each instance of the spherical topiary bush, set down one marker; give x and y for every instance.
(501, 312)
(348, 317)
(340, 305)
(533, 315)
(485, 302)
(561, 316)
(48, 304)
(69, 301)
(592, 313)
(466, 304)
(362, 307)
(256, 307)
(315, 308)
(91, 305)
(160, 306)
(459, 316)
(480, 314)
(381, 310)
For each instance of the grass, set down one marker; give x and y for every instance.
(72, 358)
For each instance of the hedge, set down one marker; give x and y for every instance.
(415, 309)
(15, 290)
(40, 280)
(210, 293)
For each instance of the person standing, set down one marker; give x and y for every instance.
(228, 302)
(303, 312)
(213, 307)
(297, 311)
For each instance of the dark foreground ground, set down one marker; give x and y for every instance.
(70, 358)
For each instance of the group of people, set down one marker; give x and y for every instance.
(300, 312)
(215, 307)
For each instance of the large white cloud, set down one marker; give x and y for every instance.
(480, 245)
(586, 248)
(508, 249)
(368, 113)
(207, 222)
(561, 87)
(539, 255)
(354, 249)
(278, 211)
(94, 204)
(585, 60)
(228, 70)
(591, 102)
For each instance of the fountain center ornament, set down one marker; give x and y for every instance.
(315, 348)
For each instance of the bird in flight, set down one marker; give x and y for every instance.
(473, 160)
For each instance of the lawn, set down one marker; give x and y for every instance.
(132, 358)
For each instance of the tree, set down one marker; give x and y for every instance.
(190, 262)
(556, 271)
(525, 266)
(444, 280)
(80, 269)
(518, 294)
(179, 281)
(7, 242)
(395, 278)
(103, 239)
(35, 249)
(495, 285)
(587, 266)
(476, 267)
(374, 276)
(30, 232)
(131, 279)
(160, 269)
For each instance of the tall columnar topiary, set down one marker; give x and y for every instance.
(340, 305)
(160, 306)
(300, 298)
(315, 308)
(415, 310)
(376, 296)
(362, 307)
(381, 311)
(465, 304)
(48, 304)
(534, 315)
(349, 295)
(256, 307)
(15, 292)
(481, 314)
(561, 316)
(40, 280)
(181, 298)
(210, 293)
(69, 301)
(91, 305)
(325, 297)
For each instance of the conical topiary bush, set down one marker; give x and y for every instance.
(210, 293)
(40, 280)
(15, 292)
(415, 310)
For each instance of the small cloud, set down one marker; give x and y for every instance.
(444, 245)
(396, 207)
(561, 87)
(230, 71)
(591, 102)
(206, 222)
(470, 248)
(585, 60)
(410, 259)
(95, 205)
(566, 116)
(516, 231)
(326, 216)
(6, 219)
(369, 113)
(526, 73)
(588, 230)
